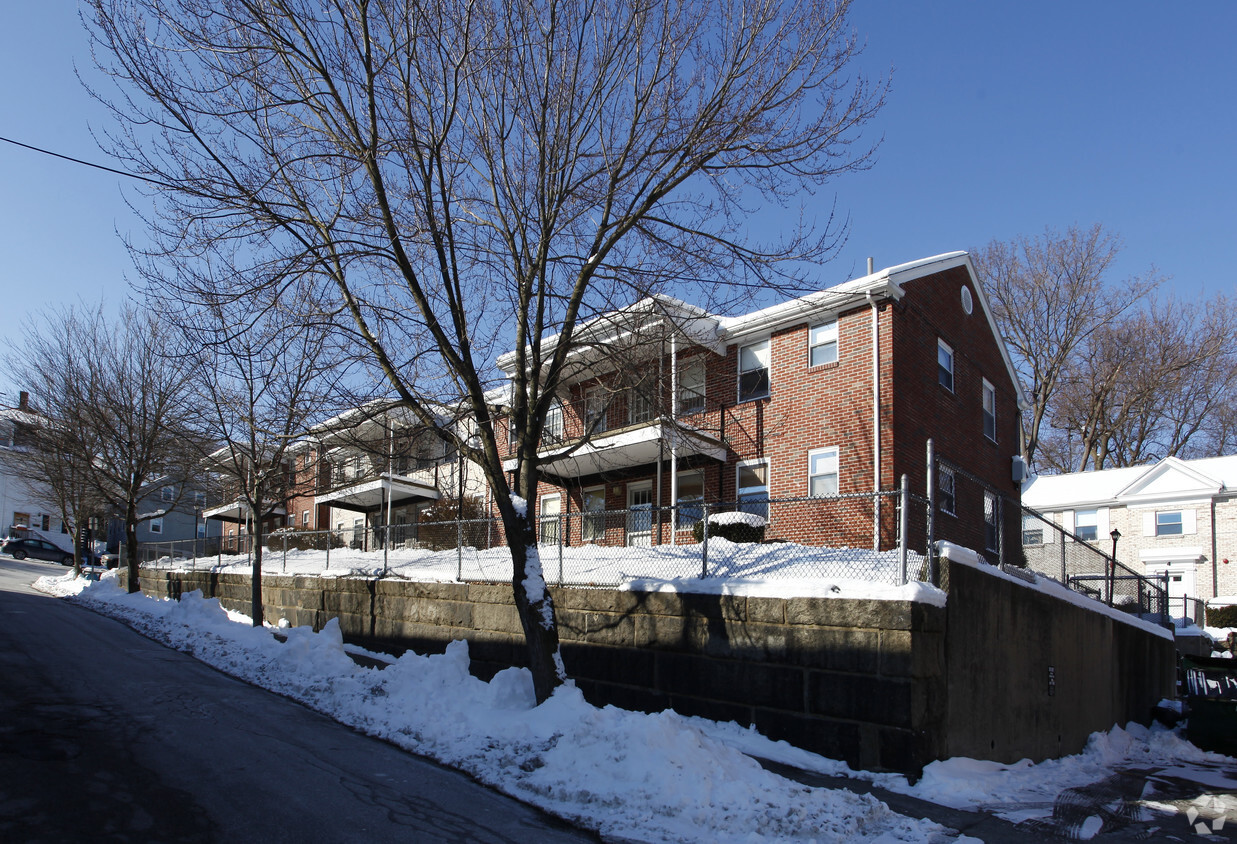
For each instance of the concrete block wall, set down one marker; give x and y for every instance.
(1002, 672)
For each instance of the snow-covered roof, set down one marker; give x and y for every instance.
(1168, 480)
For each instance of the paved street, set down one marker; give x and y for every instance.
(108, 736)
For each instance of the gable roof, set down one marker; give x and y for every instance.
(1169, 480)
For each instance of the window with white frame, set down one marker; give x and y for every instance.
(1032, 531)
(989, 411)
(304, 518)
(292, 520)
(1168, 523)
(168, 493)
(822, 472)
(551, 508)
(156, 525)
(945, 490)
(991, 532)
(1087, 525)
(754, 371)
(593, 525)
(753, 487)
(201, 530)
(945, 365)
(595, 401)
(690, 499)
(823, 343)
(199, 500)
(552, 431)
(640, 401)
(691, 386)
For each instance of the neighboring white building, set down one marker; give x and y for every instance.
(1176, 517)
(21, 503)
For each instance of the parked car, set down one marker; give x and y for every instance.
(39, 549)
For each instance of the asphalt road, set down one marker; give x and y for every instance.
(106, 736)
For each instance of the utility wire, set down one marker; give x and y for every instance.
(86, 163)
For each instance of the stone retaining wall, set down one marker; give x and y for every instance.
(883, 685)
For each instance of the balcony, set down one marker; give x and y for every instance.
(238, 512)
(369, 495)
(641, 439)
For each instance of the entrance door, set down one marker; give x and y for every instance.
(1180, 586)
(640, 514)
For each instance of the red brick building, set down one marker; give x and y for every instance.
(787, 410)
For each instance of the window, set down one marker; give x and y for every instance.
(47, 523)
(989, 410)
(822, 472)
(1168, 523)
(823, 343)
(292, 520)
(754, 371)
(21, 519)
(199, 500)
(1032, 531)
(156, 525)
(991, 533)
(304, 518)
(691, 386)
(552, 431)
(1087, 525)
(202, 530)
(168, 493)
(595, 401)
(640, 401)
(753, 487)
(690, 503)
(551, 507)
(593, 526)
(945, 365)
(945, 490)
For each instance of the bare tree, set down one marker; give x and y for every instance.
(1146, 386)
(115, 398)
(472, 176)
(263, 389)
(1050, 295)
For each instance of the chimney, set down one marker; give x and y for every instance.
(23, 401)
(871, 263)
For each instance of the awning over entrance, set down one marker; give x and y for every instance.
(373, 495)
(626, 449)
(238, 511)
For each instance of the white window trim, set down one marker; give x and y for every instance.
(692, 396)
(751, 464)
(831, 339)
(156, 525)
(989, 392)
(590, 517)
(688, 501)
(836, 473)
(764, 356)
(942, 346)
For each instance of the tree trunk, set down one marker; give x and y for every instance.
(255, 580)
(535, 606)
(131, 547)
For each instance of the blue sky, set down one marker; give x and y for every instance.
(1004, 118)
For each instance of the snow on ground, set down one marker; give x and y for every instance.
(781, 569)
(627, 775)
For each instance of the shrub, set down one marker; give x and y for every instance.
(1223, 616)
(726, 526)
(302, 540)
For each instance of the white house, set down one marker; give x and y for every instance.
(1175, 517)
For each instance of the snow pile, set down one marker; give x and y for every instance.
(737, 519)
(630, 776)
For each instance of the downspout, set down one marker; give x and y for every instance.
(1215, 572)
(661, 442)
(876, 418)
(674, 438)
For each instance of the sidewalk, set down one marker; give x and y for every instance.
(1195, 803)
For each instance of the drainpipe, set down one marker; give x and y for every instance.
(674, 436)
(876, 418)
(1215, 572)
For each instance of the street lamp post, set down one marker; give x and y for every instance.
(1112, 562)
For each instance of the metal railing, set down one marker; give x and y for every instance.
(1052, 550)
(874, 537)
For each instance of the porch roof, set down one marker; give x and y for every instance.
(238, 511)
(625, 449)
(370, 496)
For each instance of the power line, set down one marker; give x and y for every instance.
(86, 163)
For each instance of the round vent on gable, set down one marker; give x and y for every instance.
(967, 304)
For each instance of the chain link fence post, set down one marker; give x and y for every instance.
(704, 543)
(904, 519)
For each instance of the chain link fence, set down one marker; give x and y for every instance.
(876, 538)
